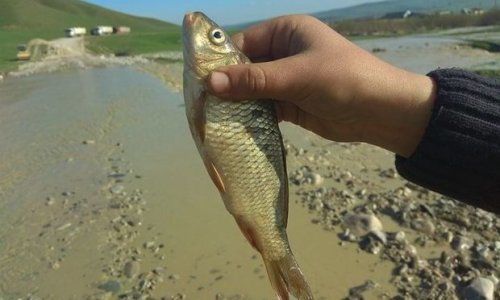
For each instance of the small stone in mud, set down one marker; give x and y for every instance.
(423, 225)
(361, 224)
(132, 269)
(461, 243)
(148, 245)
(174, 277)
(88, 142)
(50, 201)
(480, 289)
(55, 265)
(117, 189)
(111, 286)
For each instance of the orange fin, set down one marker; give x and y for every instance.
(215, 175)
(287, 278)
(248, 232)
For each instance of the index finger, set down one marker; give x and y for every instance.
(268, 40)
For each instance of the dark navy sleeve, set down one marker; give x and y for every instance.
(459, 155)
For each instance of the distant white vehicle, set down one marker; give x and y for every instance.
(102, 30)
(75, 31)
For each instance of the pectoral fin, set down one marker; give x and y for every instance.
(214, 174)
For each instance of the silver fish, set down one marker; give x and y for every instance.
(242, 149)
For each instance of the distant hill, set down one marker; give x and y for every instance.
(52, 16)
(379, 9)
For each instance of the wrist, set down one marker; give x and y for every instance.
(400, 111)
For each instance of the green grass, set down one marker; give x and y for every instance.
(23, 20)
(9, 41)
(488, 73)
(485, 45)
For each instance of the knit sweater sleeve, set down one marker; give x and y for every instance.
(459, 155)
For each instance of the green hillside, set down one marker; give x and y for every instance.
(23, 20)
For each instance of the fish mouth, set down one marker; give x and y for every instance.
(190, 18)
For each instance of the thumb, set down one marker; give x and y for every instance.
(275, 79)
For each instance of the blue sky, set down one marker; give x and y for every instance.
(223, 12)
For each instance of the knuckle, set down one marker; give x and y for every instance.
(256, 79)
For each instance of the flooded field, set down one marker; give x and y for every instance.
(103, 196)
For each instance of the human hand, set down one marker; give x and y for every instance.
(328, 85)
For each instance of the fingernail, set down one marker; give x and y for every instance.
(219, 82)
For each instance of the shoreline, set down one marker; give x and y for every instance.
(70, 53)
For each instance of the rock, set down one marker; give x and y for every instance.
(380, 235)
(461, 243)
(480, 289)
(63, 227)
(358, 290)
(174, 277)
(423, 225)
(117, 189)
(111, 286)
(88, 142)
(400, 236)
(50, 201)
(131, 269)
(148, 245)
(316, 179)
(361, 224)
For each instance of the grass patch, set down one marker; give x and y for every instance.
(485, 45)
(488, 73)
(9, 41)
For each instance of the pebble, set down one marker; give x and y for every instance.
(174, 277)
(88, 142)
(148, 245)
(361, 224)
(131, 269)
(50, 201)
(380, 235)
(117, 189)
(400, 236)
(461, 243)
(480, 288)
(423, 225)
(111, 286)
(65, 226)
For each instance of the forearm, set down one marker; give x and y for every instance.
(397, 107)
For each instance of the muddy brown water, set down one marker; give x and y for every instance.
(97, 169)
(64, 133)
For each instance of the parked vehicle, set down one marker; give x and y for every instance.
(102, 30)
(75, 31)
(23, 53)
(121, 30)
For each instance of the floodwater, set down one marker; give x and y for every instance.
(67, 137)
(98, 170)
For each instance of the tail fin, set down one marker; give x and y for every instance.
(287, 278)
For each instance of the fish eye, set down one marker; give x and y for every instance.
(217, 36)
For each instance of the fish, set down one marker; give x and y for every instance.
(242, 149)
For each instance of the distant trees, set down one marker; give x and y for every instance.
(420, 23)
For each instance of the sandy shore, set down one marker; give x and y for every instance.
(103, 196)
